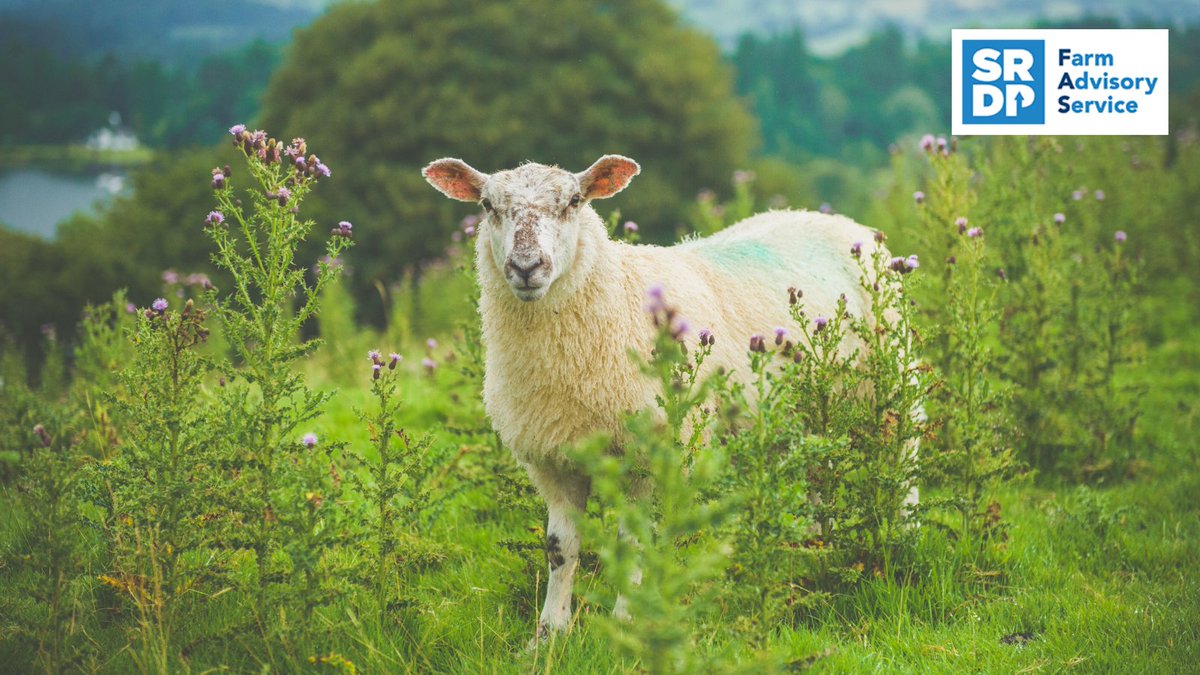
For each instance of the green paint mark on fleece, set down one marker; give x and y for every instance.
(736, 254)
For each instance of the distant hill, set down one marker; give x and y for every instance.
(830, 27)
(174, 31)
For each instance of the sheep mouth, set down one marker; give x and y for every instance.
(528, 292)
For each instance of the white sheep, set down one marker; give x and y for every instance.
(562, 304)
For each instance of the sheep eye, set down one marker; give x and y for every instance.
(575, 200)
(486, 204)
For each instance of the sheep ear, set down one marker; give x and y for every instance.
(608, 176)
(455, 178)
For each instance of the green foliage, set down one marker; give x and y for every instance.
(665, 551)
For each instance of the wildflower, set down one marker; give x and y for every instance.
(705, 196)
(825, 208)
(431, 344)
(1119, 236)
(343, 229)
(1002, 274)
(794, 295)
(630, 227)
(159, 305)
(282, 195)
(927, 142)
(237, 129)
(706, 337)
(393, 359)
(170, 277)
(1077, 195)
(780, 332)
(218, 178)
(912, 263)
(952, 260)
(679, 329)
(374, 356)
(919, 197)
(741, 177)
(880, 237)
(214, 218)
(655, 299)
(962, 224)
(429, 365)
(470, 221)
(42, 434)
(1099, 195)
(309, 440)
(856, 249)
(896, 264)
(1059, 219)
(819, 324)
(375, 370)
(943, 145)
(975, 232)
(757, 343)
(130, 308)
(469, 231)
(322, 169)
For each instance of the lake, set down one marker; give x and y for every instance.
(35, 200)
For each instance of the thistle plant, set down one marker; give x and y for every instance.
(407, 484)
(667, 546)
(266, 400)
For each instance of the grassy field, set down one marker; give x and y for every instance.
(180, 499)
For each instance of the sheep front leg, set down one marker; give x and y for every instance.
(566, 496)
(639, 490)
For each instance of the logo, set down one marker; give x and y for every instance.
(1004, 81)
(1061, 81)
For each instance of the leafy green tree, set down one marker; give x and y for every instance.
(384, 87)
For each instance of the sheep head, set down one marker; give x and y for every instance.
(533, 214)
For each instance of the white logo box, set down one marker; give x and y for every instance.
(1135, 53)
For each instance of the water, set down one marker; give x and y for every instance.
(35, 200)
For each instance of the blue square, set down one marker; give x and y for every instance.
(1004, 81)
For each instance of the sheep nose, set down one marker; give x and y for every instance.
(524, 272)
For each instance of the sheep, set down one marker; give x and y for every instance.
(562, 304)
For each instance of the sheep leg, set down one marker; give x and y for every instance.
(566, 495)
(640, 489)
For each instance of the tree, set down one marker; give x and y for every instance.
(384, 87)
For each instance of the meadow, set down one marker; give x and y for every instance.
(243, 479)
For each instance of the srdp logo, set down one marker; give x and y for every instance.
(1004, 81)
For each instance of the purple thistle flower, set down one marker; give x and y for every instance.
(896, 264)
(825, 208)
(375, 370)
(975, 232)
(943, 144)
(912, 263)
(919, 197)
(1077, 195)
(780, 332)
(170, 277)
(470, 220)
(856, 249)
(961, 223)
(429, 364)
(393, 359)
(218, 180)
(343, 229)
(431, 344)
(323, 170)
(819, 324)
(345, 225)
(309, 440)
(680, 328)
(159, 305)
(237, 129)
(469, 231)
(130, 308)
(373, 355)
(706, 337)
(1099, 195)
(757, 343)
(214, 218)
(655, 298)
(1059, 219)
(1119, 236)
(630, 227)
(927, 142)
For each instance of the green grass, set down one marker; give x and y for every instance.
(1092, 578)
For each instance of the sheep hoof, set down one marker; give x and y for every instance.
(542, 635)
